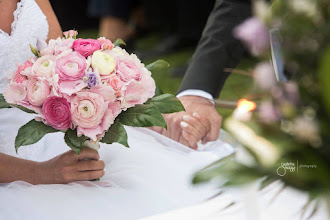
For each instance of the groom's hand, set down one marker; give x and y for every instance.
(208, 116)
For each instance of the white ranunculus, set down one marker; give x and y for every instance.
(104, 63)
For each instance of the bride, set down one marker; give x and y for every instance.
(152, 176)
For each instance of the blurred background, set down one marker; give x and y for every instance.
(162, 29)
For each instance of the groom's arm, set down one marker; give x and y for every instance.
(217, 48)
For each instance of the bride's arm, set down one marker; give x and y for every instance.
(65, 168)
(54, 26)
(12, 169)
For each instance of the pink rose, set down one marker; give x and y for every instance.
(129, 68)
(138, 92)
(71, 66)
(115, 82)
(44, 66)
(87, 109)
(86, 47)
(56, 111)
(70, 34)
(14, 93)
(37, 91)
(106, 44)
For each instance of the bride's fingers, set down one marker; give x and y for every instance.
(90, 175)
(204, 121)
(88, 165)
(193, 126)
(190, 139)
(88, 153)
(183, 141)
(191, 130)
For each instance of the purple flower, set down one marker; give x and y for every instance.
(91, 79)
(254, 35)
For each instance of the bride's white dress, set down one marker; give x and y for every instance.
(151, 177)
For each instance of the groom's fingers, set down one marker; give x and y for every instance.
(213, 134)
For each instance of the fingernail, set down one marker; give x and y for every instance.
(186, 118)
(183, 124)
(196, 115)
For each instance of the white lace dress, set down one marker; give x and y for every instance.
(29, 25)
(151, 177)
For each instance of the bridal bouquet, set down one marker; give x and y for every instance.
(88, 89)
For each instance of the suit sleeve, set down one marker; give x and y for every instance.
(217, 48)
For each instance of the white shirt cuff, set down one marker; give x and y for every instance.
(195, 92)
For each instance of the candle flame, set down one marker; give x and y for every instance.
(245, 105)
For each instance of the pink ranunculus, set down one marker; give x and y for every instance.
(14, 93)
(254, 34)
(106, 91)
(138, 92)
(71, 67)
(37, 91)
(70, 34)
(44, 66)
(86, 47)
(71, 87)
(106, 43)
(129, 68)
(56, 111)
(87, 109)
(97, 132)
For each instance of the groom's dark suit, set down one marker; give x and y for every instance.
(217, 48)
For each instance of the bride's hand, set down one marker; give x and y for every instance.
(69, 167)
(193, 129)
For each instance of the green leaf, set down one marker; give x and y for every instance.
(31, 133)
(116, 133)
(145, 115)
(158, 64)
(3, 103)
(73, 141)
(324, 78)
(166, 103)
(158, 91)
(119, 42)
(23, 109)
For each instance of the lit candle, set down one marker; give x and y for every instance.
(244, 109)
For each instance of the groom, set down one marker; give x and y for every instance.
(216, 50)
